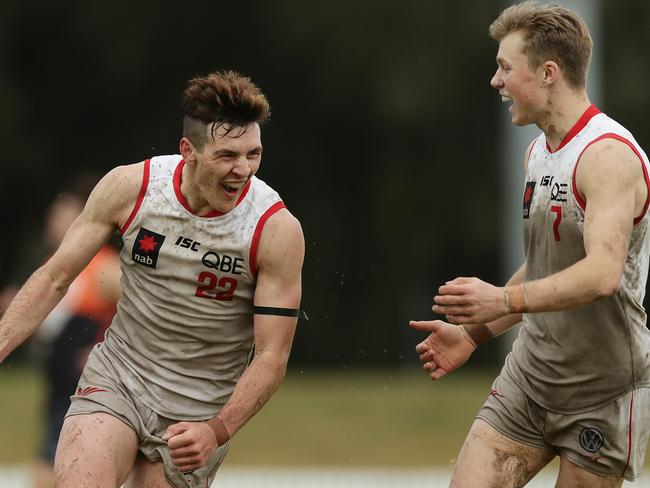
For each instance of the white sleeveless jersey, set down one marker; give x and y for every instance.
(578, 359)
(183, 332)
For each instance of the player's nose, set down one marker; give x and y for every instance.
(496, 82)
(242, 168)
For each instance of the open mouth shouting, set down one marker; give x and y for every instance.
(232, 188)
(506, 99)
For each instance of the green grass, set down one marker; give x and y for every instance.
(358, 418)
(21, 394)
(343, 417)
(317, 418)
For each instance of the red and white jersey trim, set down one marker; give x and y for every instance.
(138, 202)
(610, 135)
(258, 233)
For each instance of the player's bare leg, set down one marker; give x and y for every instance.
(95, 451)
(489, 459)
(146, 474)
(572, 476)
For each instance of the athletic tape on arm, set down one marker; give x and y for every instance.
(283, 312)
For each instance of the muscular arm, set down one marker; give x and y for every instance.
(278, 285)
(610, 179)
(105, 209)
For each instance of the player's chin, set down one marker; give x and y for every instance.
(520, 120)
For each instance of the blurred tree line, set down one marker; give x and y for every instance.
(383, 140)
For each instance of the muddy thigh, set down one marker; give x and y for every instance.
(489, 459)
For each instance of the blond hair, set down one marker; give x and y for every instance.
(551, 33)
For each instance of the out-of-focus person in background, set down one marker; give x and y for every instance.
(211, 267)
(62, 343)
(72, 328)
(577, 382)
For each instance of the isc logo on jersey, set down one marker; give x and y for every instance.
(146, 247)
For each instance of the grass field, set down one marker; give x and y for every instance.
(351, 418)
(362, 418)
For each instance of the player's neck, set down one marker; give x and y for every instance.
(565, 109)
(192, 194)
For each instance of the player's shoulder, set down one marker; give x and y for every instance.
(284, 222)
(118, 190)
(127, 179)
(608, 161)
(609, 140)
(282, 239)
(611, 152)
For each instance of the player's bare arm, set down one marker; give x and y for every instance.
(610, 179)
(280, 258)
(107, 206)
(449, 346)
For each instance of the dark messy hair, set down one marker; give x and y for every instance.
(221, 99)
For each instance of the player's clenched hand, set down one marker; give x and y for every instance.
(444, 350)
(470, 301)
(190, 444)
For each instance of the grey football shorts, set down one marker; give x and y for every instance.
(609, 441)
(98, 391)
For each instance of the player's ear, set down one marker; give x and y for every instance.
(550, 72)
(188, 151)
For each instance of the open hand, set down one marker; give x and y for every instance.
(444, 350)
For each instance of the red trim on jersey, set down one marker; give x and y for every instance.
(252, 257)
(530, 150)
(629, 437)
(611, 135)
(89, 390)
(138, 202)
(178, 179)
(578, 126)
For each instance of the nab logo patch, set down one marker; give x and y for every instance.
(528, 197)
(146, 247)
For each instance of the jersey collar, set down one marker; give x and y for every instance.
(577, 127)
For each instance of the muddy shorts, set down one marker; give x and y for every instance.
(610, 440)
(99, 391)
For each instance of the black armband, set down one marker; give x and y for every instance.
(283, 312)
